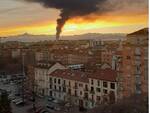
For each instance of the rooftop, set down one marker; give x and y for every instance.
(101, 74)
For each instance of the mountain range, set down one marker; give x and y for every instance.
(89, 36)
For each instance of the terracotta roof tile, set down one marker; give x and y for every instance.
(102, 74)
(71, 75)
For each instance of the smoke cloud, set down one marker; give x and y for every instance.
(80, 8)
(70, 9)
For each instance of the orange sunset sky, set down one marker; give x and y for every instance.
(18, 17)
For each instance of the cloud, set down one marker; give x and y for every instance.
(80, 8)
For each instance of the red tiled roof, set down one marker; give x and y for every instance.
(104, 74)
(71, 75)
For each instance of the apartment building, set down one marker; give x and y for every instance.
(135, 71)
(84, 89)
(106, 56)
(132, 65)
(41, 71)
(41, 55)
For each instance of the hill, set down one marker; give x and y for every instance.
(89, 36)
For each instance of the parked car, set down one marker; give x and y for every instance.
(12, 83)
(20, 102)
(50, 99)
(16, 100)
(57, 108)
(50, 106)
(11, 97)
(17, 94)
(31, 98)
(55, 101)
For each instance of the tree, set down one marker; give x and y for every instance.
(4, 103)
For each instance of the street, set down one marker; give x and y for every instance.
(21, 109)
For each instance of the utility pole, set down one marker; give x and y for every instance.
(23, 73)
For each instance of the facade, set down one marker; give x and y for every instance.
(106, 56)
(41, 71)
(131, 63)
(135, 70)
(84, 89)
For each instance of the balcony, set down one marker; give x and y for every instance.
(137, 55)
(137, 63)
(137, 51)
(138, 80)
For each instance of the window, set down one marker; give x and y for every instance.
(69, 91)
(105, 91)
(98, 98)
(80, 92)
(98, 82)
(81, 85)
(92, 88)
(86, 87)
(86, 95)
(75, 93)
(98, 89)
(104, 84)
(50, 80)
(86, 104)
(128, 57)
(55, 80)
(69, 83)
(112, 85)
(58, 81)
(76, 85)
(91, 81)
(64, 82)
(55, 87)
(64, 89)
(59, 88)
(92, 97)
(138, 89)
(50, 93)
(59, 95)
(50, 86)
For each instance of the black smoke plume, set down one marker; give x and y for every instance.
(70, 9)
(76, 8)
